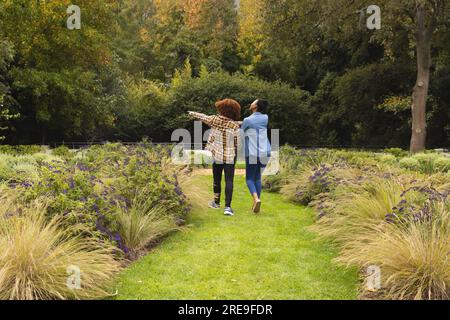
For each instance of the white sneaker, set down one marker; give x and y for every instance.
(214, 205)
(228, 211)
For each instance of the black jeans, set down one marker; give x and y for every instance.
(229, 179)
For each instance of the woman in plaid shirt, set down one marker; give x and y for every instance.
(223, 143)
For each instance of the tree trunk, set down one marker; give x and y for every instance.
(420, 93)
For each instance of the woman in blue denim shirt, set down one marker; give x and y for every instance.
(257, 149)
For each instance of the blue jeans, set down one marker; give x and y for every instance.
(253, 173)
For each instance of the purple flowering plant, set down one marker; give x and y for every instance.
(86, 192)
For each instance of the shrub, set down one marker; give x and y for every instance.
(45, 158)
(312, 186)
(426, 161)
(290, 163)
(305, 186)
(273, 183)
(27, 171)
(289, 107)
(410, 163)
(62, 151)
(397, 152)
(358, 159)
(142, 116)
(18, 169)
(442, 164)
(299, 189)
(37, 253)
(142, 223)
(89, 191)
(20, 150)
(6, 170)
(388, 158)
(313, 157)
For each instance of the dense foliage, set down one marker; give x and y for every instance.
(116, 77)
(199, 94)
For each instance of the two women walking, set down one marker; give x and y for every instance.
(224, 144)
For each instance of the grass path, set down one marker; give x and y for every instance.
(270, 256)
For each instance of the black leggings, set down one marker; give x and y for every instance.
(229, 178)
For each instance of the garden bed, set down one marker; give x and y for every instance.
(386, 211)
(82, 213)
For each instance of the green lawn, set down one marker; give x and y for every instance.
(270, 256)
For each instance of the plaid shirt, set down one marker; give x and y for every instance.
(224, 140)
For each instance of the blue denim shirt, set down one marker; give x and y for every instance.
(255, 130)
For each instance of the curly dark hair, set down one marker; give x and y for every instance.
(229, 108)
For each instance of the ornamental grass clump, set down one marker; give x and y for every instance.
(427, 162)
(413, 255)
(40, 258)
(359, 213)
(143, 223)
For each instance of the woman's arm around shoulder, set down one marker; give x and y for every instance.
(245, 124)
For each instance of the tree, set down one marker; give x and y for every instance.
(215, 24)
(427, 17)
(294, 20)
(6, 56)
(251, 39)
(58, 75)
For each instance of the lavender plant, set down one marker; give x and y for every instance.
(87, 192)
